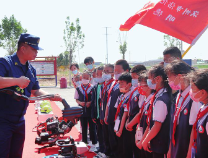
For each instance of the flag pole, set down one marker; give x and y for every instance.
(195, 40)
(186, 50)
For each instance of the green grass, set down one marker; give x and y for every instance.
(201, 66)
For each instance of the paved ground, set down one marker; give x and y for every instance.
(66, 93)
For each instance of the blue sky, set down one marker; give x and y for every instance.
(46, 19)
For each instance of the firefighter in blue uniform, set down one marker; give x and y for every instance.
(17, 74)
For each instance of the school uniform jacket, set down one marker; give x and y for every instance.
(104, 99)
(134, 104)
(82, 98)
(160, 143)
(94, 105)
(202, 137)
(183, 128)
(115, 93)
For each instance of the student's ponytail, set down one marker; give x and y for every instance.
(158, 70)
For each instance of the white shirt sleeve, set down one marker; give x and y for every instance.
(116, 105)
(160, 111)
(141, 100)
(108, 103)
(76, 95)
(194, 111)
(207, 127)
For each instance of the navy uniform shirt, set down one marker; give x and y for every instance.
(115, 93)
(134, 104)
(10, 109)
(185, 121)
(146, 104)
(202, 136)
(95, 99)
(104, 98)
(80, 95)
(161, 113)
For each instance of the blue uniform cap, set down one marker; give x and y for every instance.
(30, 40)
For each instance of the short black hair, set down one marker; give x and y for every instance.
(88, 60)
(94, 70)
(173, 51)
(125, 77)
(100, 68)
(124, 64)
(143, 76)
(110, 65)
(138, 68)
(178, 67)
(200, 78)
(74, 64)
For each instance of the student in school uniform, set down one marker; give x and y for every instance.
(142, 123)
(89, 62)
(95, 107)
(74, 68)
(124, 147)
(185, 112)
(140, 118)
(170, 54)
(133, 105)
(77, 80)
(113, 93)
(199, 135)
(108, 74)
(83, 96)
(157, 133)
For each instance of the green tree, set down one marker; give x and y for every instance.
(10, 30)
(123, 43)
(123, 48)
(73, 38)
(170, 41)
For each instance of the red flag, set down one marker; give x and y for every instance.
(183, 19)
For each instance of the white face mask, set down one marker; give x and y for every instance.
(134, 82)
(85, 81)
(106, 77)
(116, 76)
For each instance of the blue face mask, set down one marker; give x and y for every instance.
(75, 72)
(134, 82)
(150, 84)
(95, 80)
(106, 77)
(90, 67)
(100, 80)
(165, 64)
(78, 83)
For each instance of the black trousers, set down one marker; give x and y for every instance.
(136, 150)
(100, 136)
(124, 148)
(146, 154)
(92, 130)
(106, 139)
(12, 137)
(157, 155)
(112, 139)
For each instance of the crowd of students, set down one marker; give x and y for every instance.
(139, 113)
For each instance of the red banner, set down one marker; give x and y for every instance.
(183, 19)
